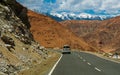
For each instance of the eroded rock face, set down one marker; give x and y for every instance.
(18, 9)
(11, 23)
(18, 50)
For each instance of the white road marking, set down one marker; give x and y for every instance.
(88, 63)
(97, 69)
(84, 60)
(55, 66)
(78, 55)
(81, 57)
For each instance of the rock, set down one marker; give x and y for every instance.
(1, 55)
(9, 47)
(11, 69)
(42, 47)
(25, 48)
(3, 66)
(8, 40)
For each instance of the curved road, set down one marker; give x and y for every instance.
(85, 64)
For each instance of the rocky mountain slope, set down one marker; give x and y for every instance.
(107, 35)
(103, 35)
(52, 34)
(18, 50)
(82, 27)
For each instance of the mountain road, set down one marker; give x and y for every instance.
(80, 63)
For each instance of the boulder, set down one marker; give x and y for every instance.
(8, 40)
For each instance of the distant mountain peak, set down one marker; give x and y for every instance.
(72, 16)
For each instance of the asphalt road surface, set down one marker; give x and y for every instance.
(85, 64)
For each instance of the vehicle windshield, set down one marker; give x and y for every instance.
(66, 47)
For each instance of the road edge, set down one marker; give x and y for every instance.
(103, 57)
(51, 71)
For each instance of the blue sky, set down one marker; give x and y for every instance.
(94, 7)
(49, 1)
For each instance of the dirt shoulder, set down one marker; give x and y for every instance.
(44, 67)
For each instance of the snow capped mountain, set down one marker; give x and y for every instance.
(61, 16)
(71, 16)
(74, 16)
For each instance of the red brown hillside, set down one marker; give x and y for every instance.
(81, 27)
(50, 33)
(104, 35)
(108, 34)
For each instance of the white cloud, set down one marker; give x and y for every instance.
(98, 6)
(110, 6)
